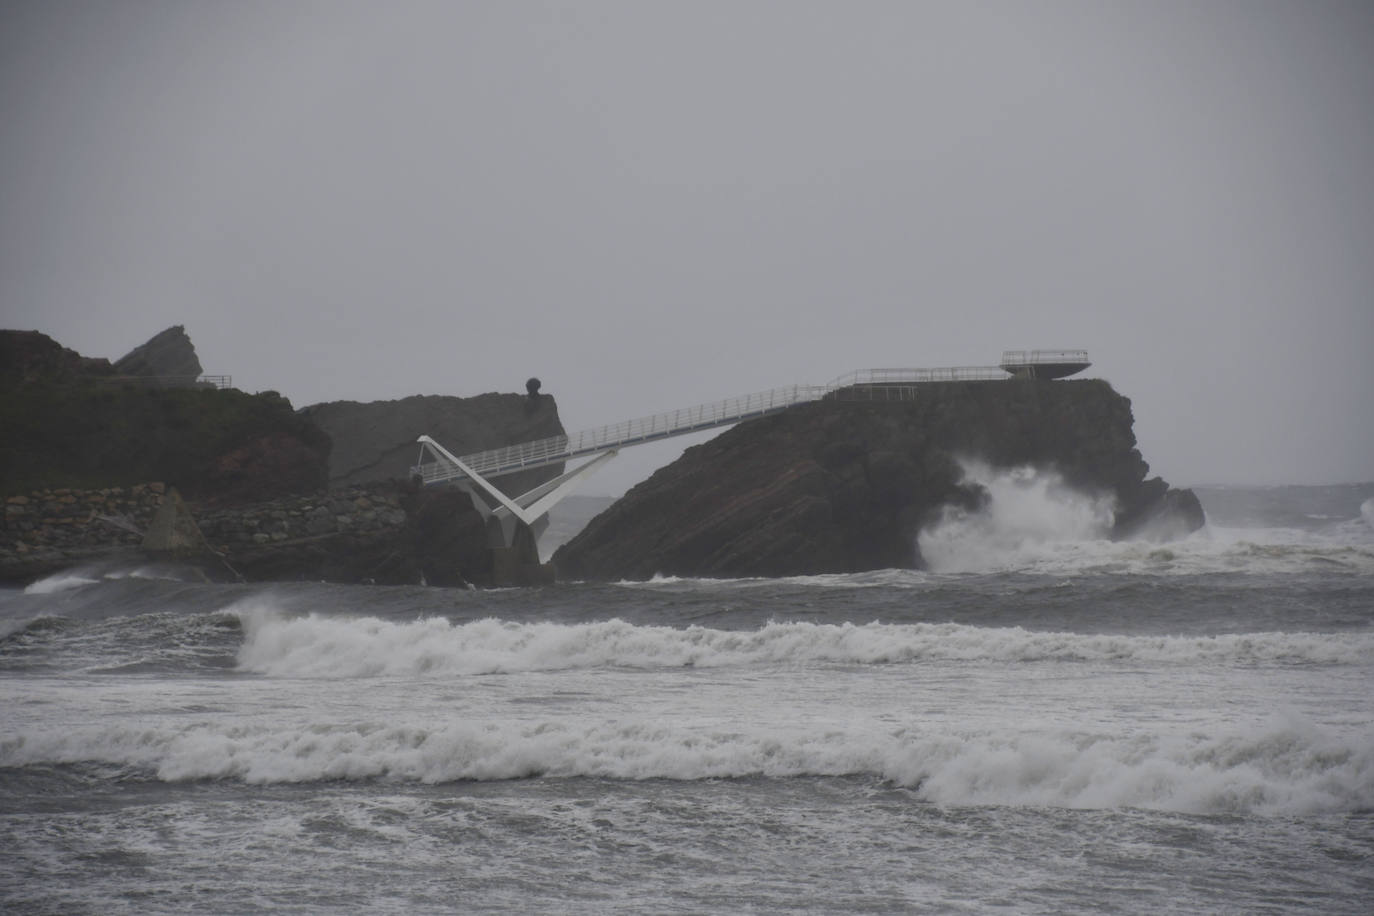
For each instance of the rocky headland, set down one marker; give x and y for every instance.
(94, 450)
(145, 460)
(846, 484)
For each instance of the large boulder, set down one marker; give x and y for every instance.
(846, 486)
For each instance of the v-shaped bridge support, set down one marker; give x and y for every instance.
(503, 514)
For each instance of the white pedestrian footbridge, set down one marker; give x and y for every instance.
(473, 472)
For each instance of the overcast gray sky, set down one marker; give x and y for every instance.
(651, 205)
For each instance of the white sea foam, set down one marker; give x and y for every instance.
(60, 582)
(1279, 768)
(81, 576)
(1030, 515)
(315, 646)
(1367, 512)
(876, 578)
(1034, 523)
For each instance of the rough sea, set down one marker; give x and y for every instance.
(1044, 722)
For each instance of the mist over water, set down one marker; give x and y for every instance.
(1029, 513)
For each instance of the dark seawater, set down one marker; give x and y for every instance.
(1045, 722)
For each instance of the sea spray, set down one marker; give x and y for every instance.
(1029, 513)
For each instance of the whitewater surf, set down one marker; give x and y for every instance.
(1042, 721)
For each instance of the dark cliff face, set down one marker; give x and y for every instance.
(846, 486)
(32, 358)
(69, 422)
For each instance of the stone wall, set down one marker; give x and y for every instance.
(66, 518)
(378, 533)
(48, 530)
(351, 510)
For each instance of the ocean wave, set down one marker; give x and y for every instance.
(876, 578)
(60, 582)
(323, 646)
(82, 576)
(16, 630)
(1278, 768)
(1212, 550)
(1209, 551)
(1032, 521)
(160, 642)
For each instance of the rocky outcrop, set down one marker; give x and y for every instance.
(211, 443)
(168, 355)
(72, 422)
(376, 440)
(81, 436)
(846, 485)
(32, 358)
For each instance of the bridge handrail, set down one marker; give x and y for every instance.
(541, 452)
(916, 376)
(643, 429)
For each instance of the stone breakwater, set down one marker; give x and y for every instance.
(48, 530)
(66, 519)
(354, 510)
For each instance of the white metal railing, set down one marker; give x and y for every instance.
(542, 452)
(915, 376)
(1040, 357)
(168, 381)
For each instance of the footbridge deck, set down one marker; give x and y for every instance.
(438, 466)
(504, 515)
(556, 449)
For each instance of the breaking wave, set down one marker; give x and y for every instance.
(1281, 768)
(1030, 514)
(1033, 522)
(315, 646)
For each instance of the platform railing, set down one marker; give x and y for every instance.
(168, 381)
(918, 376)
(1038, 357)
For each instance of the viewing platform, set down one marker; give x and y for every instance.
(1044, 363)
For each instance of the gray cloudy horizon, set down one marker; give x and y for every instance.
(653, 205)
